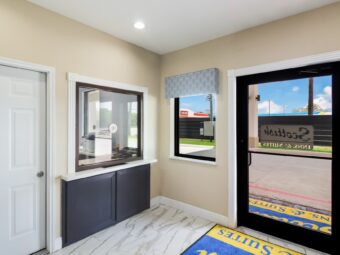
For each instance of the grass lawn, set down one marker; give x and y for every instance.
(325, 149)
(322, 149)
(197, 141)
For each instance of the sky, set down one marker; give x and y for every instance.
(197, 103)
(286, 97)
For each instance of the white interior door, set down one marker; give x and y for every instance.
(23, 157)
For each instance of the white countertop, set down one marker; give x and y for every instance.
(97, 171)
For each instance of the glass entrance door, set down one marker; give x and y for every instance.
(286, 153)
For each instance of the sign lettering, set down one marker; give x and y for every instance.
(287, 136)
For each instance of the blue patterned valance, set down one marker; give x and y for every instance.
(196, 83)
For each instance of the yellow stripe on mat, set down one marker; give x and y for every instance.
(291, 211)
(247, 242)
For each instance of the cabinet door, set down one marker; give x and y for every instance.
(133, 191)
(88, 206)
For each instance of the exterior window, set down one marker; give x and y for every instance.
(195, 127)
(108, 128)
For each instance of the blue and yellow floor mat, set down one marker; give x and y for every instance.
(307, 219)
(224, 241)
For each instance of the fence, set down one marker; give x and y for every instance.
(191, 128)
(322, 125)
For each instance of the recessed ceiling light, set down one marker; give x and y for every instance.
(139, 25)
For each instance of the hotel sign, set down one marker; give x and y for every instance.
(287, 136)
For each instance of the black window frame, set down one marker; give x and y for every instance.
(140, 120)
(177, 138)
(290, 232)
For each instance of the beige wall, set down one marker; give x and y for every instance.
(30, 33)
(305, 34)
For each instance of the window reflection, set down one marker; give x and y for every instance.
(108, 126)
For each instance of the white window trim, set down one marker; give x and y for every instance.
(172, 138)
(73, 78)
(231, 113)
(50, 143)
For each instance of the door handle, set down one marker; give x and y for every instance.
(249, 158)
(40, 174)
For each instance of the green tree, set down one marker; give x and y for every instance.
(316, 108)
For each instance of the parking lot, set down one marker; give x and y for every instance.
(297, 180)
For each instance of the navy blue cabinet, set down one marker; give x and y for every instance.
(94, 203)
(133, 191)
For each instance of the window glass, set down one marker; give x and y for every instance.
(290, 151)
(195, 127)
(108, 126)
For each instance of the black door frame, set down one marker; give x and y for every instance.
(286, 231)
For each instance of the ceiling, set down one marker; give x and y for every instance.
(175, 24)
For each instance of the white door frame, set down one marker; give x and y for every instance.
(50, 141)
(232, 144)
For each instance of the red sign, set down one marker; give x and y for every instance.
(200, 114)
(184, 113)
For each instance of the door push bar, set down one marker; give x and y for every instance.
(249, 158)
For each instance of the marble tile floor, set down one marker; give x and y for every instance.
(42, 252)
(161, 230)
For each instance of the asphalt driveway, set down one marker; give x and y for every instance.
(297, 180)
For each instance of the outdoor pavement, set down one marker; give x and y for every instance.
(198, 150)
(301, 181)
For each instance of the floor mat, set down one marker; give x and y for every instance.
(224, 241)
(303, 218)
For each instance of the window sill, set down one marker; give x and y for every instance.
(98, 171)
(206, 162)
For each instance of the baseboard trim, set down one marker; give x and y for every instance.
(58, 244)
(155, 201)
(194, 210)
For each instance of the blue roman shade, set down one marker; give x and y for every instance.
(190, 84)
